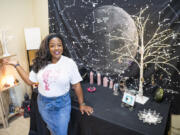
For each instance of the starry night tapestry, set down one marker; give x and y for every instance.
(123, 38)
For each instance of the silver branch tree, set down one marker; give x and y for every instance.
(154, 51)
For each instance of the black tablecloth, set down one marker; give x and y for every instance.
(109, 118)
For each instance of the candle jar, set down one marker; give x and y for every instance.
(105, 82)
(98, 79)
(111, 84)
(91, 77)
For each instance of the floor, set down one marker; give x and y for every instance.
(17, 126)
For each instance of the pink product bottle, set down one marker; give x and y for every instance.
(105, 81)
(91, 77)
(111, 84)
(98, 79)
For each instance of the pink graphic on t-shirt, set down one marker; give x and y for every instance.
(50, 78)
(45, 79)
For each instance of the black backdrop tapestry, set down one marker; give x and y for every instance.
(97, 31)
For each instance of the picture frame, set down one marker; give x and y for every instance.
(128, 99)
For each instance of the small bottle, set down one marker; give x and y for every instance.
(115, 89)
(91, 78)
(98, 79)
(105, 82)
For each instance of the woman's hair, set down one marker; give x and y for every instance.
(43, 56)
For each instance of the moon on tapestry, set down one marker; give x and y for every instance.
(109, 33)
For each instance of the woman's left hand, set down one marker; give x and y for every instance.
(86, 109)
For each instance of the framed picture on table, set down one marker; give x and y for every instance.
(128, 99)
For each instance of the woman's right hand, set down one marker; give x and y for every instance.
(12, 62)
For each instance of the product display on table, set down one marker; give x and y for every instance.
(159, 93)
(91, 78)
(110, 118)
(119, 39)
(150, 116)
(111, 84)
(128, 99)
(115, 89)
(98, 79)
(105, 82)
(91, 89)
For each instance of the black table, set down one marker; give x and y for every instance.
(109, 118)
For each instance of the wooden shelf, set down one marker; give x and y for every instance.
(3, 114)
(13, 114)
(3, 57)
(10, 115)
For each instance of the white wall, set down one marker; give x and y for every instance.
(40, 11)
(15, 15)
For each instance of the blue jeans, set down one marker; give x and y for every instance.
(55, 111)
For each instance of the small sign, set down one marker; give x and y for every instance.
(32, 38)
(128, 99)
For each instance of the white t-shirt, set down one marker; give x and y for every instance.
(55, 79)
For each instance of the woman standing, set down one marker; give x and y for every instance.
(54, 73)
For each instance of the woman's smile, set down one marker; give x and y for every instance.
(57, 52)
(56, 49)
